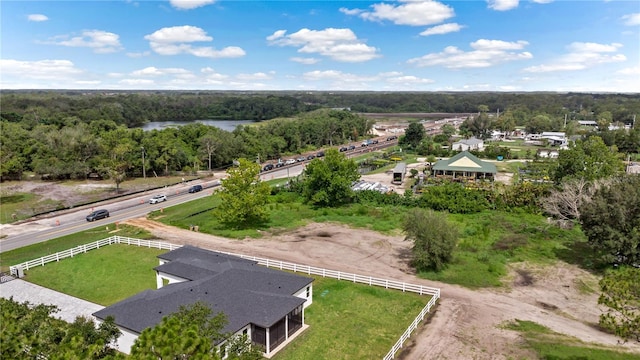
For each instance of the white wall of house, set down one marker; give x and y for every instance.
(160, 276)
(307, 294)
(126, 339)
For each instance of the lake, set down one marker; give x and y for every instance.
(227, 125)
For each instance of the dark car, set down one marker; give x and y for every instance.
(375, 141)
(320, 154)
(280, 164)
(98, 214)
(352, 147)
(267, 167)
(392, 138)
(195, 188)
(343, 149)
(311, 157)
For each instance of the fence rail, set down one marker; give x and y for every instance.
(282, 265)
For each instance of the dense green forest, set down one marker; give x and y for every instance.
(74, 135)
(134, 109)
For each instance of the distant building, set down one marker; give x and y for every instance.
(468, 144)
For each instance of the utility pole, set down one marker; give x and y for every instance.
(144, 173)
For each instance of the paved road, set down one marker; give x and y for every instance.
(73, 220)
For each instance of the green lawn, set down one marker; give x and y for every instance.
(103, 276)
(370, 319)
(552, 345)
(53, 246)
(286, 211)
(353, 321)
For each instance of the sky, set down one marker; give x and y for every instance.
(409, 45)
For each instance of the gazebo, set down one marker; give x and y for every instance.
(464, 167)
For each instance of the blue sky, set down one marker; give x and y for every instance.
(475, 45)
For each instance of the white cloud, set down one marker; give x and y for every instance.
(138, 54)
(175, 40)
(502, 5)
(631, 19)
(581, 56)
(542, 1)
(190, 4)
(409, 12)
(37, 17)
(486, 53)
(39, 70)
(178, 34)
(153, 71)
(409, 80)
(442, 29)
(254, 76)
(305, 61)
(102, 42)
(351, 11)
(629, 71)
(337, 44)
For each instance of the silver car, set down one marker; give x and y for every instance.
(157, 198)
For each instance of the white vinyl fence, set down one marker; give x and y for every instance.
(16, 270)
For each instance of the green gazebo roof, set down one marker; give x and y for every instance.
(465, 161)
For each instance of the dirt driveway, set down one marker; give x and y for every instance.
(466, 323)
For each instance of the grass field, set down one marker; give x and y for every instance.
(370, 319)
(103, 276)
(551, 345)
(488, 241)
(53, 246)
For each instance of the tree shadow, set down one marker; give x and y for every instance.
(579, 253)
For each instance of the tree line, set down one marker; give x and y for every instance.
(105, 149)
(135, 108)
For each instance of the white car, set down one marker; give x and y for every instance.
(290, 162)
(157, 198)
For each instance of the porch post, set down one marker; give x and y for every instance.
(158, 280)
(286, 327)
(268, 341)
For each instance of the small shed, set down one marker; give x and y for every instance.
(398, 173)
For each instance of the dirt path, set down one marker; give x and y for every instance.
(466, 323)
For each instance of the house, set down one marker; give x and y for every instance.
(468, 144)
(265, 304)
(463, 167)
(555, 138)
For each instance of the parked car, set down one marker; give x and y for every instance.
(374, 141)
(290, 162)
(98, 214)
(157, 199)
(320, 154)
(392, 138)
(311, 157)
(279, 165)
(195, 188)
(343, 149)
(301, 159)
(352, 147)
(267, 167)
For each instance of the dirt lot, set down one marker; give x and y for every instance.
(466, 322)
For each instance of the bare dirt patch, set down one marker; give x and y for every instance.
(467, 323)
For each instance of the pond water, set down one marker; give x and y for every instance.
(227, 125)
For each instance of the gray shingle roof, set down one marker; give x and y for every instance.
(243, 290)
